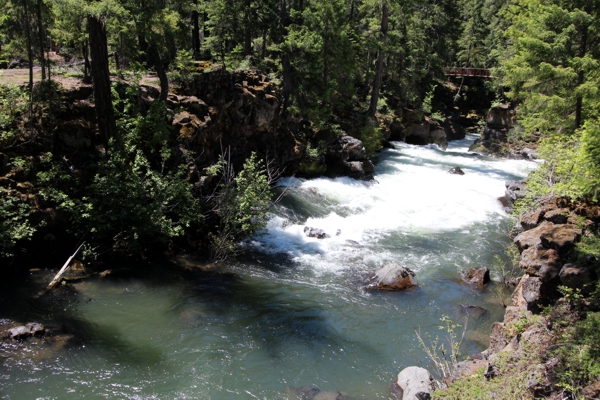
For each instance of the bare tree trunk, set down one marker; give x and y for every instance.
(248, 30)
(366, 86)
(195, 31)
(285, 58)
(580, 79)
(86, 62)
(29, 46)
(160, 71)
(41, 39)
(264, 45)
(102, 93)
(379, 69)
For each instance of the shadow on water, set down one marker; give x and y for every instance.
(268, 314)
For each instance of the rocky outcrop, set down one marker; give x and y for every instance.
(423, 130)
(393, 277)
(346, 156)
(494, 138)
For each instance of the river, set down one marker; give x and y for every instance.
(294, 311)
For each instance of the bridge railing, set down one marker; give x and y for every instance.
(475, 72)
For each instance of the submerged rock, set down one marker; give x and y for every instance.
(393, 277)
(312, 393)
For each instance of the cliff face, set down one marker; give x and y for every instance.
(239, 111)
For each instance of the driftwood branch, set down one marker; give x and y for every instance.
(64, 269)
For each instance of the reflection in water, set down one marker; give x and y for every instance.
(293, 313)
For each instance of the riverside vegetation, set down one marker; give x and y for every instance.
(359, 67)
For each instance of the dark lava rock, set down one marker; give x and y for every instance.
(315, 232)
(456, 171)
(550, 236)
(575, 276)
(478, 277)
(544, 263)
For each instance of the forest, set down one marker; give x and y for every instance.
(184, 115)
(330, 58)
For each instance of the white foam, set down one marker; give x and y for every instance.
(415, 195)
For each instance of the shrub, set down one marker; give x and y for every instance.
(241, 203)
(14, 223)
(372, 138)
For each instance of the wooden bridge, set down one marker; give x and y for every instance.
(474, 72)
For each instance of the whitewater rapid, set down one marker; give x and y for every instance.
(413, 196)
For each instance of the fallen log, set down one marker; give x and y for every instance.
(64, 269)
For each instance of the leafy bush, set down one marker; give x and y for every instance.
(241, 204)
(184, 69)
(14, 223)
(372, 138)
(589, 159)
(13, 103)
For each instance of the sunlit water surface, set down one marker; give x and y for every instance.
(294, 312)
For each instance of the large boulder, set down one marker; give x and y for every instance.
(346, 155)
(577, 277)
(562, 238)
(393, 277)
(541, 262)
(494, 135)
(416, 383)
(531, 293)
(531, 219)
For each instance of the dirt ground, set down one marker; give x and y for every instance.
(60, 69)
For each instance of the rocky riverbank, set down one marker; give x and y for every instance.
(556, 299)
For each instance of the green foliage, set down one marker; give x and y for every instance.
(445, 355)
(558, 174)
(426, 106)
(13, 103)
(578, 352)
(14, 223)
(510, 382)
(507, 269)
(588, 159)
(372, 139)
(241, 204)
(130, 201)
(183, 69)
